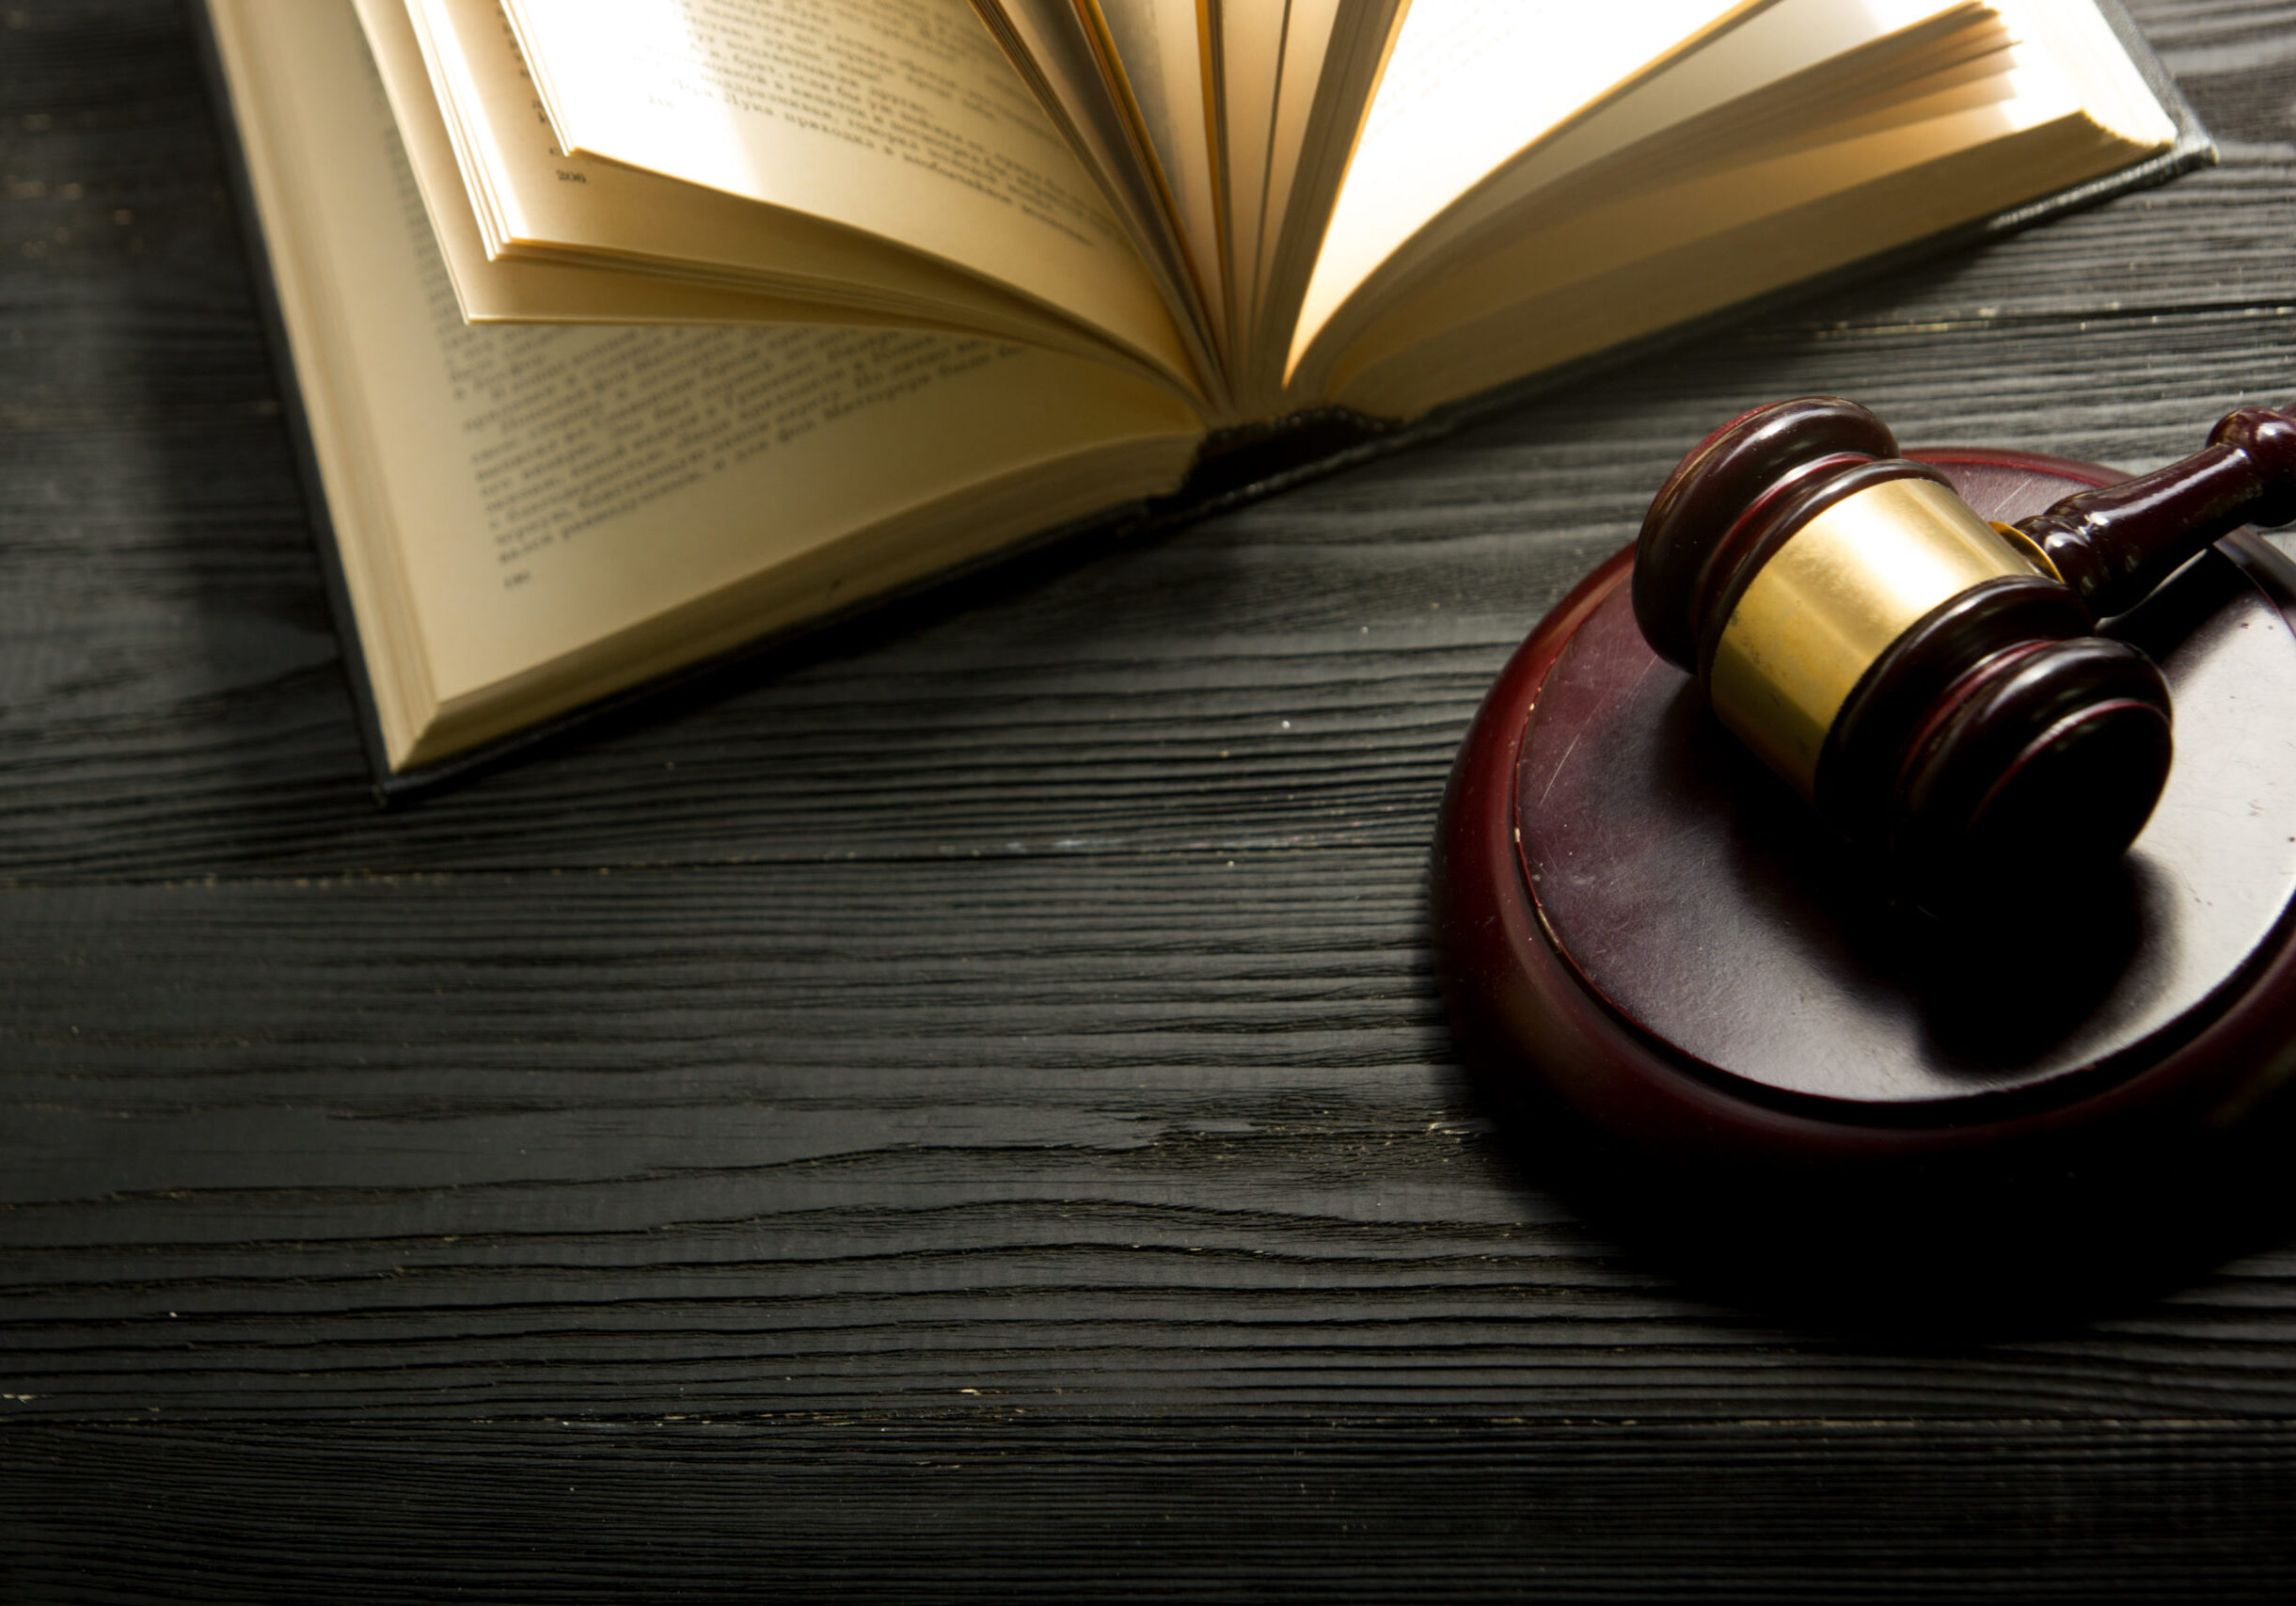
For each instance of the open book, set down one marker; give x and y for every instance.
(816, 298)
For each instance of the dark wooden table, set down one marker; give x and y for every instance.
(966, 1115)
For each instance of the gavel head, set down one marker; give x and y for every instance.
(1918, 674)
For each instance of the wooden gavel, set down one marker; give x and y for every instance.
(1930, 681)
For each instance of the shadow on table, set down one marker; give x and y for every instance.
(1942, 1255)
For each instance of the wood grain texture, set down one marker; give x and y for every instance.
(967, 1109)
(990, 1508)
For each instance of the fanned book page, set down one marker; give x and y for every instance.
(1152, 53)
(1470, 86)
(896, 118)
(1797, 137)
(673, 253)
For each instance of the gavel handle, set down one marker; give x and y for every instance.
(2114, 544)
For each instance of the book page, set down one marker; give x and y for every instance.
(521, 290)
(1799, 64)
(899, 118)
(1158, 47)
(1332, 54)
(1801, 61)
(1051, 48)
(1469, 83)
(1307, 31)
(508, 501)
(675, 245)
(1656, 256)
(1248, 65)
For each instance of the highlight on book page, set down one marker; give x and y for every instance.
(1802, 137)
(1468, 85)
(530, 517)
(1333, 54)
(897, 118)
(1795, 71)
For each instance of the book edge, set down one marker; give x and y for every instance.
(297, 421)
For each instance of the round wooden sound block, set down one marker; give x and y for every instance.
(1645, 929)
